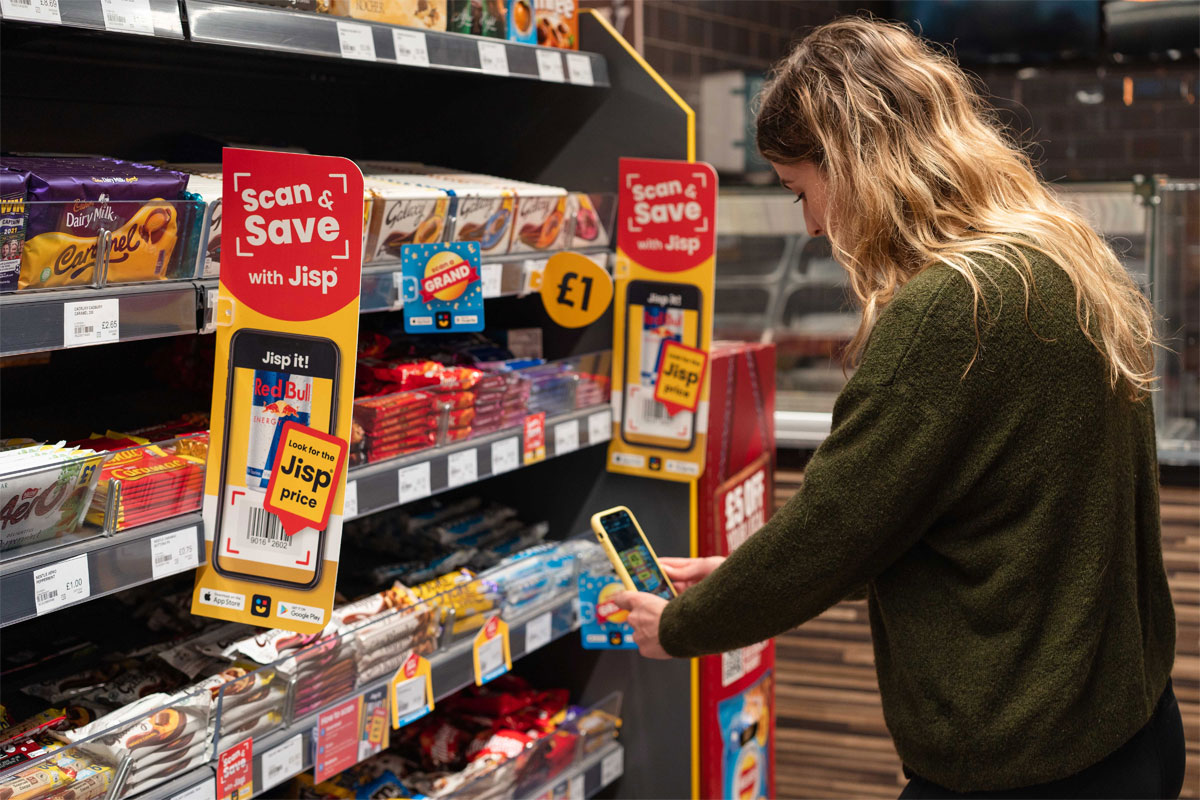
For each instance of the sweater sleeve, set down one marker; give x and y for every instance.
(869, 493)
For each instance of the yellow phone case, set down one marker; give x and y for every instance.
(622, 573)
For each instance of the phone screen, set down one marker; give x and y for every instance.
(657, 313)
(634, 554)
(274, 379)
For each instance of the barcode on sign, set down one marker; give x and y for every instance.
(654, 411)
(45, 597)
(84, 330)
(731, 667)
(274, 771)
(26, 3)
(159, 560)
(266, 525)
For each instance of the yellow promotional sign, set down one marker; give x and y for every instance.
(662, 318)
(681, 372)
(576, 291)
(283, 389)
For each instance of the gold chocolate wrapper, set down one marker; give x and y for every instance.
(430, 14)
(140, 250)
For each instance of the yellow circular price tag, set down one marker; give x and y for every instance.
(575, 290)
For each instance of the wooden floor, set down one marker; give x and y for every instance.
(831, 740)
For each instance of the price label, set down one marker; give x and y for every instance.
(550, 66)
(283, 762)
(410, 698)
(537, 632)
(566, 437)
(612, 767)
(174, 552)
(412, 691)
(490, 278)
(356, 41)
(128, 16)
(462, 467)
(493, 58)
(505, 455)
(411, 48)
(210, 301)
(61, 584)
(579, 69)
(492, 655)
(350, 500)
(32, 10)
(575, 291)
(414, 482)
(91, 321)
(600, 427)
(201, 791)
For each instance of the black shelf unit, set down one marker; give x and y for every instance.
(68, 90)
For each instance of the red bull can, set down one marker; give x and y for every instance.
(277, 397)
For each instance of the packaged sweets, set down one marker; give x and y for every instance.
(542, 222)
(429, 14)
(479, 17)
(520, 22)
(44, 492)
(404, 214)
(593, 219)
(157, 482)
(13, 187)
(557, 23)
(204, 185)
(71, 200)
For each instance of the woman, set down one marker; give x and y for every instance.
(991, 474)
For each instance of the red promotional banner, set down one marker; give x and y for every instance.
(448, 277)
(668, 213)
(310, 205)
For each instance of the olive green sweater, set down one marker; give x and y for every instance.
(1005, 523)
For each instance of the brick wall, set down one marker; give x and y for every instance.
(1084, 122)
(1104, 123)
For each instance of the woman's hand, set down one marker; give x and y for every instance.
(645, 611)
(687, 572)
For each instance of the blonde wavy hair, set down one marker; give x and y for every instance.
(919, 173)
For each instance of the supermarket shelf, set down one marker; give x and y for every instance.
(379, 486)
(586, 778)
(89, 14)
(126, 559)
(452, 670)
(35, 321)
(114, 563)
(324, 35)
(503, 276)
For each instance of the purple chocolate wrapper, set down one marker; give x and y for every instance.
(101, 182)
(13, 186)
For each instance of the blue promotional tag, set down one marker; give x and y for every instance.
(442, 289)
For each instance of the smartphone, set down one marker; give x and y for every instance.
(630, 552)
(273, 378)
(656, 313)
